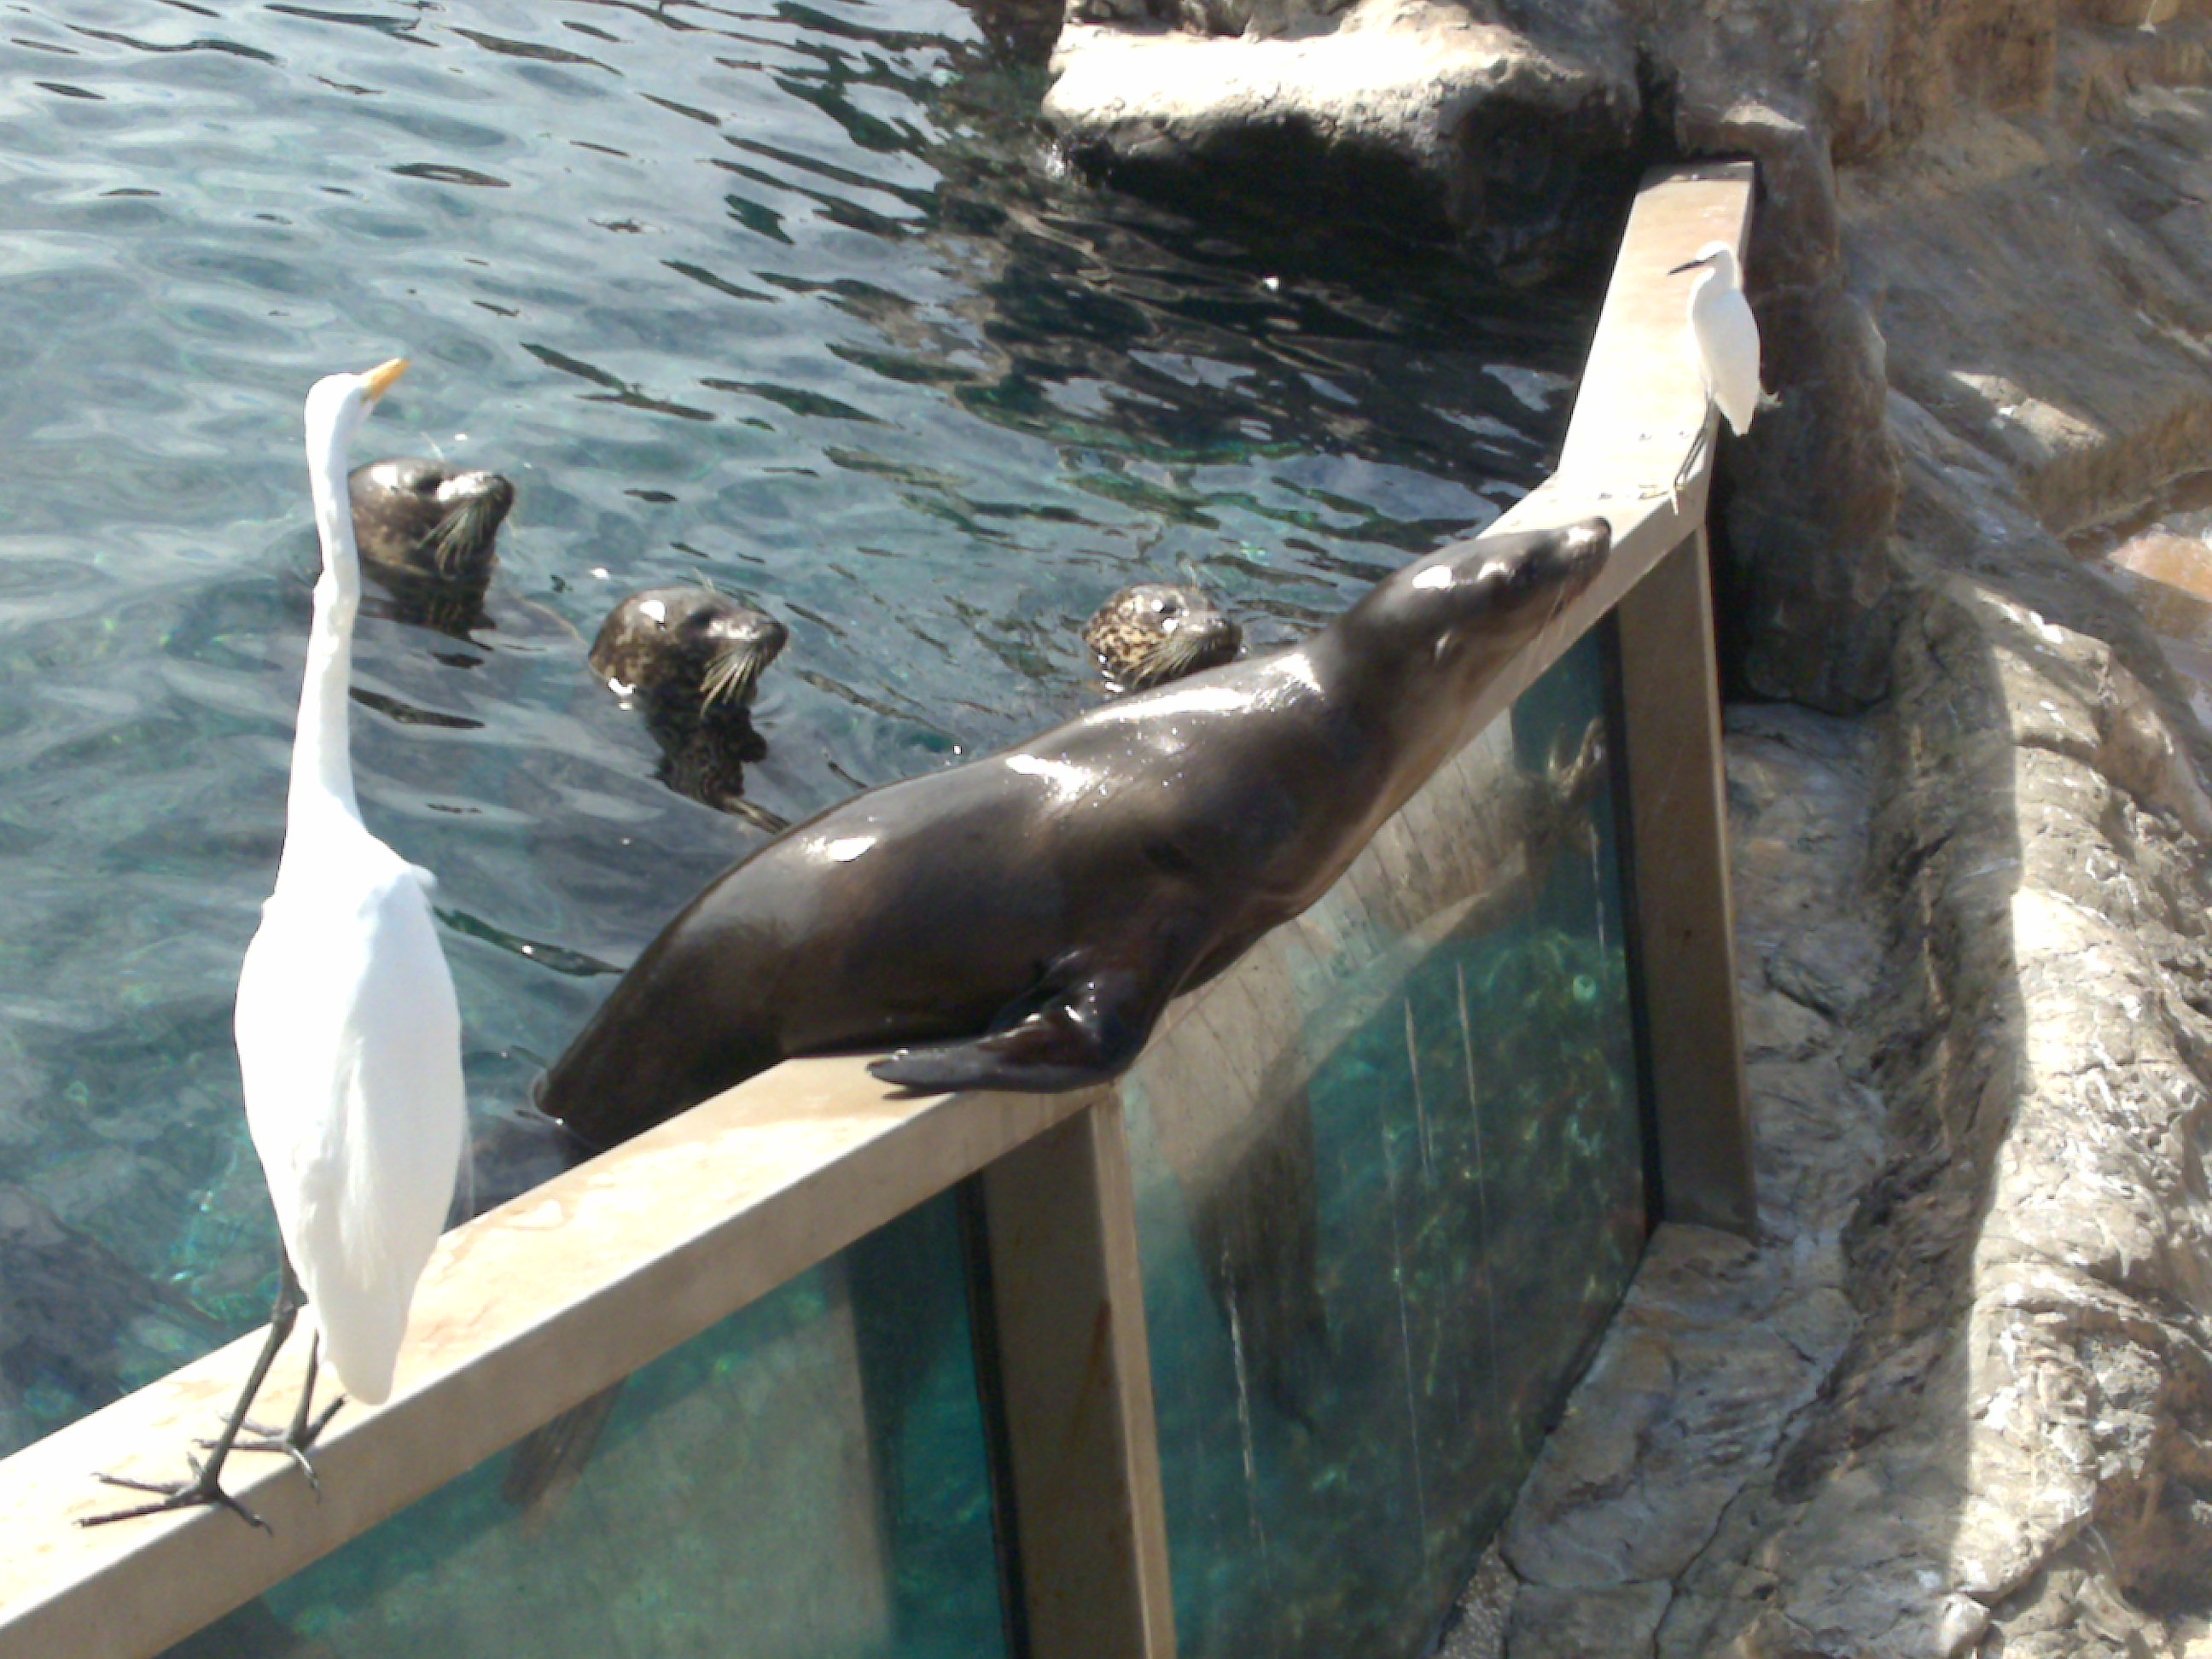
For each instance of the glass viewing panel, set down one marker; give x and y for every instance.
(805, 1481)
(1379, 1246)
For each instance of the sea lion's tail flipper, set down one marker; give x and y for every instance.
(1088, 1033)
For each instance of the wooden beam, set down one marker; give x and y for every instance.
(1076, 1379)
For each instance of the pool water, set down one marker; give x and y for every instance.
(793, 298)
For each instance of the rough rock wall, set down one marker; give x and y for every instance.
(2010, 1456)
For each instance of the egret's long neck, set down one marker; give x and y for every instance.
(322, 763)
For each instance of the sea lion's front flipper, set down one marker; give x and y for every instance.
(1088, 1033)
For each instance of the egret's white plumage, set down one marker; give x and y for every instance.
(349, 1033)
(1721, 340)
(1723, 336)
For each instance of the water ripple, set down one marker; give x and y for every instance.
(445, 172)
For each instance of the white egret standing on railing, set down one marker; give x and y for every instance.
(349, 1034)
(1724, 343)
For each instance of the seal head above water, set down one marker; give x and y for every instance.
(1025, 917)
(428, 521)
(688, 644)
(693, 658)
(1156, 632)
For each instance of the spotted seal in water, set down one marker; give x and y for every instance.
(1028, 916)
(693, 658)
(1155, 632)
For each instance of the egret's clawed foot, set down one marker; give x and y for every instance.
(1688, 469)
(201, 1488)
(293, 1441)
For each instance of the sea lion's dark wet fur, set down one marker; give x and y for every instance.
(1032, 913)
(1155, 632)
(691, 658)
(427, 532)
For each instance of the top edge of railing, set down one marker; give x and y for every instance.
(533, 1307)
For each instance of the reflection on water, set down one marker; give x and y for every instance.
(784, 296)
(1379, 1245)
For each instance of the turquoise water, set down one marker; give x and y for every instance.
(805, 1481)
(1368, 1299)
(791, 297)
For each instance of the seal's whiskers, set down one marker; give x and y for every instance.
(731, 676)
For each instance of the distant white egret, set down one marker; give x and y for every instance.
(1724, 343)
(349, 1033)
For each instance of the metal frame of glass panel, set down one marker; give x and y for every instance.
(547, 1300)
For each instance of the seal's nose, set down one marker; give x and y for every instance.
(1590, 540)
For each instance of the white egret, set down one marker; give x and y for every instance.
(1724, 343)
(349, 1033)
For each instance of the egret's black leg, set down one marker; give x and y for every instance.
(307, 1427)
(205, 1487)
(1697, 449)
(294, 1439)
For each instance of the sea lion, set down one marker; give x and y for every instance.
(693, 658)
(1155, 632)
(1028, 915)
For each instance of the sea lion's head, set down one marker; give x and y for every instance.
(428, 522)
(1462, 611)
(687, 642)
(1156, 632)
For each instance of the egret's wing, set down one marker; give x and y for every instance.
(1728, 337)
(349, 1038)
(293, 996)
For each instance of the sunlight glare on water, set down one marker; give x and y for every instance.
(786, 297)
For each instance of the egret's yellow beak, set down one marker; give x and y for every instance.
(380, 378)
